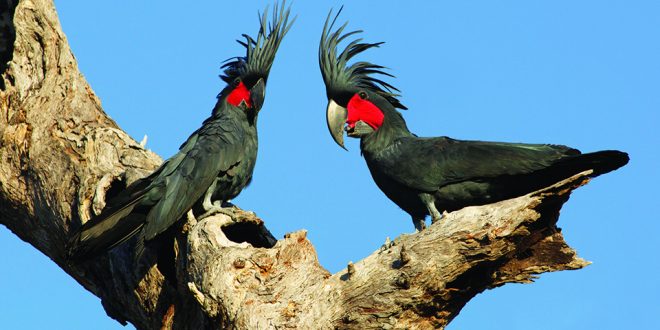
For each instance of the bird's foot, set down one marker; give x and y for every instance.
(429, 201)
(420, 224)
(215, 208)
(437, 216)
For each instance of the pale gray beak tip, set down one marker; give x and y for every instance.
(336, 116)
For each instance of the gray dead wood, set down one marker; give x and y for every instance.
(61, 154)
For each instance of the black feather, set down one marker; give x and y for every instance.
(422, 175)
(218, 158)
(339, 76)
(259, 53)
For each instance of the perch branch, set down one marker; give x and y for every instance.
(62, 155)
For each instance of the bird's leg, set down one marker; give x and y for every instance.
(213, 207)
(429, 201)
(206, 203)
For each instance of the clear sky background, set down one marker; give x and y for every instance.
(580, 73)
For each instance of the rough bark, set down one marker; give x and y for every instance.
(62, 156)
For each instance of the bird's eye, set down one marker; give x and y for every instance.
(236, 82)
(363, 95)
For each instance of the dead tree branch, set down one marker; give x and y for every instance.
(61, 156)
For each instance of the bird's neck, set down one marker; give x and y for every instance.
(393, 128)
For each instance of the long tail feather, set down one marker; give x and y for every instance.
(600, 162)
(106, 231)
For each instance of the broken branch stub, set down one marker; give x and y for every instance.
(63, 157)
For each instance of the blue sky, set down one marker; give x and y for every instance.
(584, 74)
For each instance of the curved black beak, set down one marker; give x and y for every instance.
(336, 116)
(258, 94)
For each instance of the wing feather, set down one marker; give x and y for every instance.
(428, 164)
(217, 149)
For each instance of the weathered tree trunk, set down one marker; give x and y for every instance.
(61, 155)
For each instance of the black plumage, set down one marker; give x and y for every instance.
(425, 175)
(215, 163)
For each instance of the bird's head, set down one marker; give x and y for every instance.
(246, 76)
(358, 102)
(244, 97)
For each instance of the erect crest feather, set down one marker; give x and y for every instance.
(260, 53)
(339, 76)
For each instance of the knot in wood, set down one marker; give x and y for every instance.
(350, 269)
(404, 256)
(402, 281)
(239, 263)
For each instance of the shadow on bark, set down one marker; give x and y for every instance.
(7, 34)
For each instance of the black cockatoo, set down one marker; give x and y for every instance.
(215, 163)
(424, 176)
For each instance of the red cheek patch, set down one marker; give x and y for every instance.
(238, 95)
(360, 109)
